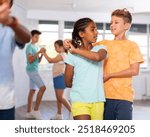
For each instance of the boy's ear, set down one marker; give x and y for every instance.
(127, 26)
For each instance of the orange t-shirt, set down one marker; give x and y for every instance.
(121, 53)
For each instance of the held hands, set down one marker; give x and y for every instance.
(42, 50)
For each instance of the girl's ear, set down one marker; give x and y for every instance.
(81, 34)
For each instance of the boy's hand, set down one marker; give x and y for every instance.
(106, 77)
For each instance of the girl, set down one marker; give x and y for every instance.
(58, 78)
(85, 75)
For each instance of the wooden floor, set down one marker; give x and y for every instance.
(141, 110)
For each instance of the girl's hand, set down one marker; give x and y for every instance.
(67, 43)
(72, 49)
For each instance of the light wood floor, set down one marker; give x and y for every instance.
(141, 110)
(47, 108)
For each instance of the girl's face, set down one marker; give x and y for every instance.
(89, 35)
(118, 25)
(58, 48)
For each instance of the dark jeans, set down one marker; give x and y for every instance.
(7, 114)
(117, 110)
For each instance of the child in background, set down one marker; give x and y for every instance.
(33, 59)
(122, 64)
(58, 78)
(85, 76)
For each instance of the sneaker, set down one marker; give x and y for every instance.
(37, 115)
(57, 117)
(29, 115)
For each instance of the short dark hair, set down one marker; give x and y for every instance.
(33, 32)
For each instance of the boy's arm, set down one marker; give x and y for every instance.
(42, 50)
(22, 35)
(69, 71)
(132, 71)
(40, 58)
(32, 58)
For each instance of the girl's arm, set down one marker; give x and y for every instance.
(69, 72)
(132, 71)
(53, 60)
(95, 56)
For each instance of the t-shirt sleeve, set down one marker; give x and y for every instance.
(70, 59)
(29, 50)
(97, 48)
(135, 55)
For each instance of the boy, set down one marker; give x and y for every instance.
(123, 63)
(11, 34)
(33, 60)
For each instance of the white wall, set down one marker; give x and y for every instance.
(74, 15)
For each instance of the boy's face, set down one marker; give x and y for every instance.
(118, 25)
(35, 38)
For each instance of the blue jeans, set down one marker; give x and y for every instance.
(117, 110)
(7, 114)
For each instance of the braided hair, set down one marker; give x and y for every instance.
(79, 26)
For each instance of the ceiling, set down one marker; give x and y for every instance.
(135, 6)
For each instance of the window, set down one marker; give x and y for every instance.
(138, 33)
(68, 28)
(50, 32)
(107, 34)
(49, 35)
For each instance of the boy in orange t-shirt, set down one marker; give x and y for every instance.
(123, 63)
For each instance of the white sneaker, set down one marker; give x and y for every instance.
(29, 115)
(57, 117)
(37, 115)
